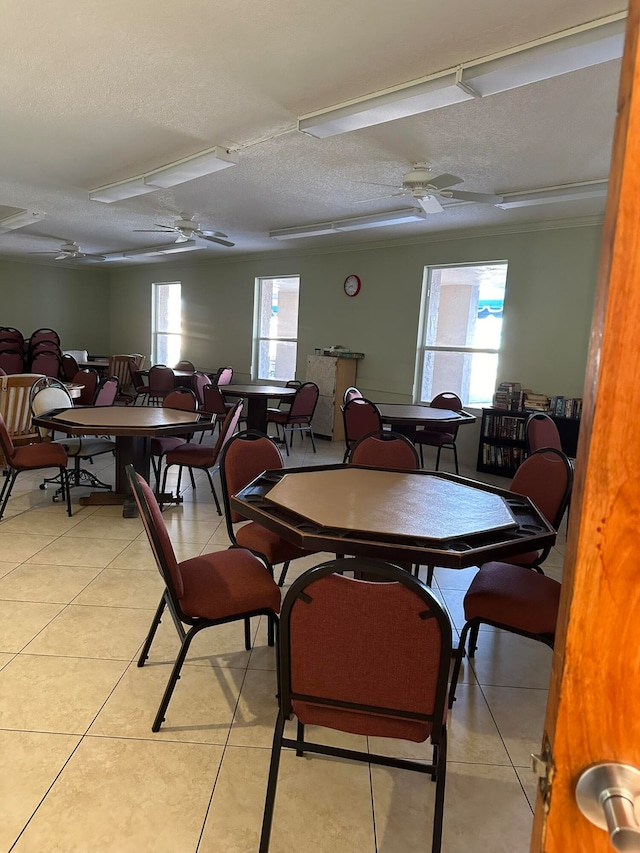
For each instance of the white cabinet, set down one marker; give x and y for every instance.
(333, 376)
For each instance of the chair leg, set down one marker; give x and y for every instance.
(64, 479)
(284, 438)
(157, 619)
(456, 668)
(283, 573)
(455, 456)
(473, 639)
(173, 679)
(6, 490)
(213, 491)
(430, 570)
(438, 457)
(299, 737)
(247, 634)
(441, 772)
(271, 631)
(313, 444)
(272, 784)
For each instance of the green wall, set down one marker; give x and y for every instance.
(550, 291)
(74, 302)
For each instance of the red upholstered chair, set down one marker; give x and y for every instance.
(361, 417)
(215, 408)
(385, 449)
(299, 415)
(69, 367)
(46, 361)
(43, 334)
(185, 365)
(12, 361)
(201, 456)
(246, 456)
(222, 376)
(89, 379)
(31, 457)
(370, 658)
(208, 590)
(185, 400)
(106, 392)
(162, 381)
(199, 381)
(443, 435)
(11, 333)
(541, 431)
(140, 384)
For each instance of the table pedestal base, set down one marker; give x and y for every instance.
(127, 502)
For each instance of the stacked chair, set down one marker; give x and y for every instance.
(12, 350)
(44, 354)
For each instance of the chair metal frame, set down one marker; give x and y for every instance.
(293, 421)
(441, 401)
(300, 595)
(171, 601)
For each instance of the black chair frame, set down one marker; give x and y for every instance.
(382, 572)
(170, 601)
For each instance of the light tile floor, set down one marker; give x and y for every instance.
(82, 771)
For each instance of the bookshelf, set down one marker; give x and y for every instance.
(503, 446)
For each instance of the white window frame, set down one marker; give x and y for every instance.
(422, 346)
(257, 325)
(154, 319)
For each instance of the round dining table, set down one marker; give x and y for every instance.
(257, 397)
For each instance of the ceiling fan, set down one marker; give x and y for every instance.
(71, 251)
(428, 189)
(186, 228)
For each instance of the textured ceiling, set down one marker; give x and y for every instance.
(96, 92)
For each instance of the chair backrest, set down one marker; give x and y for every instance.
(385, 449)
(161, 379)
(120, 367)
(138, 360)
(46, 361)
(12, 360)
(3, 372)
(69, 366)
(183, 399)
(89, 380)
(10, 332)
(157, 535)
(546, 477)
(351, 393)
(361, 417)
(45, 398)
(382, 666)
(106, 392)
(185, 364)
(446, 400)
(213, 400)
(78, 354)
(245, 456)
(15, 408)
(11, 344)
(43, 334)
(223, 377)
(227, 430)
(304, 403)
(6, 444)
(199, 381)
(541, 431)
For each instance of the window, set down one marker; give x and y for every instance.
(461, 325)
(276, 325)
(167, 326)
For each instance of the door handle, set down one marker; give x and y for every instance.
(606, 794)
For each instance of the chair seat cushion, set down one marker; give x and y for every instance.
(167, 444)
(196, 455)
(276, 550)
(511, 595)
(227, 583)
(45, 455)
(277, 416)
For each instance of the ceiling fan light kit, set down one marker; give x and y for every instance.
(561, 53)
(20, 220)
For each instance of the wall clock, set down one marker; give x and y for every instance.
(352, 285)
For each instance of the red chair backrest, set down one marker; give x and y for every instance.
(213, 400)
(89, 379)
(546, 478)
(199, 381)
(69, 366)
(245, 456)
(43, 335)
(541, 431)
(46, 362)
(161, 378)
(107, 391)
(351, 393)
(10, 332)
(228, 428)
(385, 450)
(361, 417)
(446, 400)
(182, 398)
(224, 377)
(185, 365)
(12, 361)
(304, 402)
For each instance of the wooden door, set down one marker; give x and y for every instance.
(594, 703)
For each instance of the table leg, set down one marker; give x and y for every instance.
(257, 413)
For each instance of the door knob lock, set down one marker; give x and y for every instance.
(606, 795)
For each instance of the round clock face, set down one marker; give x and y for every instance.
(352, 285)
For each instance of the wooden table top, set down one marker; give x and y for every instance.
(122, 420)
(400, 413)
(425, 517)
(257, 390)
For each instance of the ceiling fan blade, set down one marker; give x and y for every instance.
(372, 184)
(218, 240)
(446, 180)
(484, 198)
(95, 257)
(182, 238)
(61, 257)
(42, 253)
(430, 204)
(152, 231)
(220, 234)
